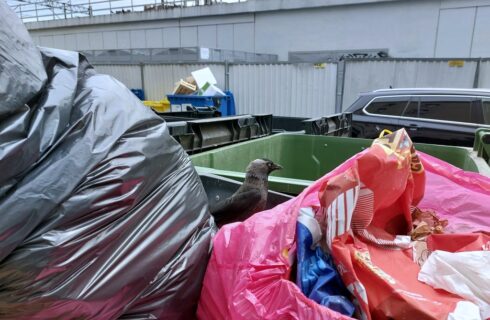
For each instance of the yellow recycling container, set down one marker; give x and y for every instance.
(158, 106)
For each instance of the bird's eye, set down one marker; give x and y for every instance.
(269, 164)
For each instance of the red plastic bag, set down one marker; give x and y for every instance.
(373, 259)
(247, 275)
(250, 266)
(385, 282)
(459, 242)
(251, 263)
(376, 195)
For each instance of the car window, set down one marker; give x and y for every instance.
(486, 111)
(387, 106)
(446, 110)
(412, 110)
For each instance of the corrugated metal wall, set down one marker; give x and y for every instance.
(362, 76)
(160, 79)
(130, 75)
(484, 75)
(300, 90)
(304, 90)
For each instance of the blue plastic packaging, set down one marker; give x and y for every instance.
(316, 274)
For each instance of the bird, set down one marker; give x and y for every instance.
(250, 198)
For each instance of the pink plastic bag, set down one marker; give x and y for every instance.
(458, 196)
(247, 275)
(249, 270)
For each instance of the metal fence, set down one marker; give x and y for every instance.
(159, 80)
(280, 88)
(175, 55)
(483, 74)
(367, 75)
(307, 89)
(42, 10)
(301, 90)
(130, 75)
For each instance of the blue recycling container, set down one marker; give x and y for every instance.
(226, 104)
(139, 93)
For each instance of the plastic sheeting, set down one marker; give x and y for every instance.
(381, 189)
(457, 195)
(251, 279)
(20, 64)
(466, 274)
(316, 275)
(101, 213)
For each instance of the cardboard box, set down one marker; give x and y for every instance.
(211, 90)
(203, 76)
(184, 87)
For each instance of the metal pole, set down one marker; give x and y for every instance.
(476, 80)
(71, 9)
(20, 11)
(37, 14)
(142, 71)
(339, 86)
(227, 76)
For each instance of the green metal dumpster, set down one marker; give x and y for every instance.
(306, 158)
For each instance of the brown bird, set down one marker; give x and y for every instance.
(250, 198)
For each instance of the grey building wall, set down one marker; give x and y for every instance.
(406, 28)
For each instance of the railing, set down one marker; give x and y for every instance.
(42, 10)
(175, 55)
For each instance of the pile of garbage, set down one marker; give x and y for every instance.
(200, 93)
(201, 83)
(102, 215)
(392, 233)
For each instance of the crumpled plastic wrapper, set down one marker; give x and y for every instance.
(426, 222)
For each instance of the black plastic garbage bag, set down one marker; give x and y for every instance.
(21, 71)
(101, 213)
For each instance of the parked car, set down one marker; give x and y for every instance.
(430, 115)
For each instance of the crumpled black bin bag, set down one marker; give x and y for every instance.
(102, 215)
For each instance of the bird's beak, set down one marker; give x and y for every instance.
(276, 167)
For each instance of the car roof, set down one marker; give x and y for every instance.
(422, 91)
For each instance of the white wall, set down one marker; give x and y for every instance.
(364, 76)
(234, 32)
(297, 90)
(407, 28)
(160, 79)
(129, 75)
(301, 90)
